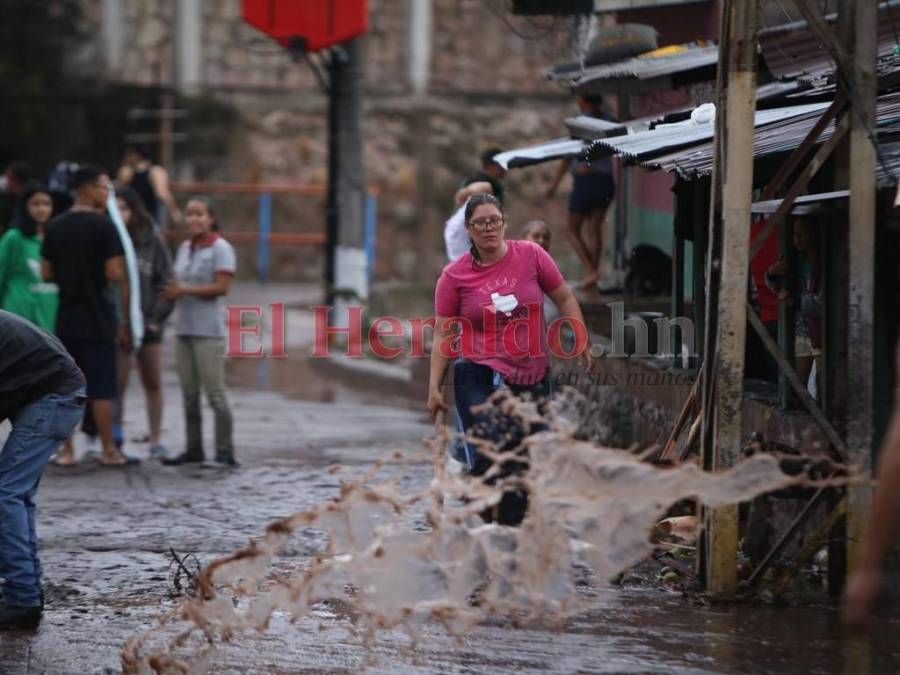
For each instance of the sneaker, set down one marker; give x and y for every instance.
(183, 458)
(159, 451)
(13, 617)
(228, 461)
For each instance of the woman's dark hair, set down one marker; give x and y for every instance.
(140, 219)
(210, 208)
(24, 221)
(476, 200)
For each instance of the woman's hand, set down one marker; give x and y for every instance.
(172, 290)
(586, 358)
(436, 402)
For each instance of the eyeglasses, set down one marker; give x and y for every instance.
(492, 223)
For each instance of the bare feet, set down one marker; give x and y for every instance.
(590, 280)
(114, 458)
(63, 459)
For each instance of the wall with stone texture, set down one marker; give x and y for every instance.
(486, 89)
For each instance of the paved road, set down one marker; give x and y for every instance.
(105, 535)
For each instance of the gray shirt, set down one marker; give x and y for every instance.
(196, 264)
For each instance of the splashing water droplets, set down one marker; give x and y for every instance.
(588, 507)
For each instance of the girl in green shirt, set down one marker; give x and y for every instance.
(22, 288)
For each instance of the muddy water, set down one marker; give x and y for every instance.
(105, 536)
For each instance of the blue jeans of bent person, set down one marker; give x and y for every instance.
(38, 430)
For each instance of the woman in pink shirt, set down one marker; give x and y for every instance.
(490, 318)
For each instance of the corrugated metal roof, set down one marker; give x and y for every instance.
(782, 136)
(666, 137)
(588, 127)
(792, 50)
(802, 205)
(561, 148)
(642, 68)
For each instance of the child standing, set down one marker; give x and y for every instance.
(204, 266)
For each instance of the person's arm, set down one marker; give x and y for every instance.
(46, 270)
(159, 181)
(472, 189)
(866, 581)
(569, 308)
(162, 275)
(219, 287)
(436, 401)
(560, 172)
(124, 175)
(116, 273)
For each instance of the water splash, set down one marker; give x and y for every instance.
(589, 506)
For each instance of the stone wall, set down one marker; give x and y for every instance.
(486, 88)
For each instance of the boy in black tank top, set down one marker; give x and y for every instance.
(150, 181)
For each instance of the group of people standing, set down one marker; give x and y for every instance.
(69, 340)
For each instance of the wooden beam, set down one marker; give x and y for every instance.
(776, 550)
(826, 37)
(800, 153)
(862, 277)
(736, 178)
(799, 185)
(799, 388)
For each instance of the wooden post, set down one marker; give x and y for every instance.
(700, 209)
(677, 298)
(735, 176)
(862, 277)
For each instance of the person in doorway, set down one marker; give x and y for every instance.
(867, 579)
(22, 289)
(150, 181)
(82, 253)
(497, 282)
(204, 267)
(806, 297)
(593, 189)
(155, 272)
(490, 172)
(42, 393)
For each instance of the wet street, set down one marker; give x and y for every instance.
(106, 537)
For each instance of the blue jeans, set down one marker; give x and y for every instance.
(473, 385)
(37, 432)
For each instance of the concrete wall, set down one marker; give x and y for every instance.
(480, 84)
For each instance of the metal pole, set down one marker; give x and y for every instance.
(862, 276)
(264, 230)
(736, 179)
(336, 69)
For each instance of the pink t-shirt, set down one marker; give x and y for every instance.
(511, 341)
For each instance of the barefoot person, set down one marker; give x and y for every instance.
(42, 394)
(155, 272)
(204, 267)
(593, 190)
(497, 282)
(83, 254)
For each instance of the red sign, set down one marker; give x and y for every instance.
(319, 23)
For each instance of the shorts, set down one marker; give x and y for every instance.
(591, 192)
(97, 361)
(803, 347)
